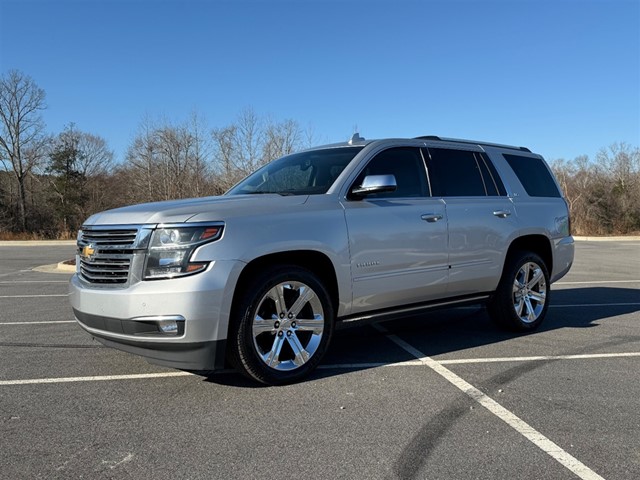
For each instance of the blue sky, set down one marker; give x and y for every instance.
(561, 77)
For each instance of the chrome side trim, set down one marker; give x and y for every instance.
(407, 310)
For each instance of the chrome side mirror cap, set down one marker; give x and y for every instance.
(375, 184)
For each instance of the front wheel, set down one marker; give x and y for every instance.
(522, 298)
(281, 326)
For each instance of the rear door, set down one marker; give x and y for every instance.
(481, 217)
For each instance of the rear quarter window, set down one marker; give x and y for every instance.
(534, 175)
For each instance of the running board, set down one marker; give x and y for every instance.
(407, 310)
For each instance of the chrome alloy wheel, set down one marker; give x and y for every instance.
(288, 326)
(529, 292)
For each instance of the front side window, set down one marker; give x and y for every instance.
(406, 165)
(305, 173)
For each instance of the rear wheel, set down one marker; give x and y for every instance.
(282, 325)
(522, 298)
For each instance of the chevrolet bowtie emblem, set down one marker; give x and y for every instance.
(87, 251)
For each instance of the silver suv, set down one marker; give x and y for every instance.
(259, 277)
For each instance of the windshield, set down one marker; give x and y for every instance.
(305, 173)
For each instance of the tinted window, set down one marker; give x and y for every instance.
(455, 173)
(533, 175)
(406, 165)
(304, 173)
(494, 177)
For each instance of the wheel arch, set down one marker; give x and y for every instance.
(538, 244)
(241, 353)
(316, 262)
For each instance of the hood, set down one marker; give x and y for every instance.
(203, 209)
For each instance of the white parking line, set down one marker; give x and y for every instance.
(37, 381)
(460, 361)
(339, 366)
(575, 305)
(33, 296)
(37, 323)
(597, 282)
(540, 358)
(358, 366)
(13, 273)
(526, 430)
(35, 281)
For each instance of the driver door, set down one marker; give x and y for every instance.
(397, 240)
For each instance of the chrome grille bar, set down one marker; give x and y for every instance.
(110, 237)
(106, 253)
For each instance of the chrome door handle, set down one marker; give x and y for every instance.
(502, 213)
(431, 217)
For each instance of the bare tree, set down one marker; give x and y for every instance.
(169, 161)
(22, 138)
(578, 179)
(238, 148)
(141, 160)
(250, 142)
(200, 154)
(619, 168)
(96, 158)
(78, 163)
(603, 195)
(281, 139)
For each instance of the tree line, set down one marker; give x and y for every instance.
(604, 193)
(50, 183)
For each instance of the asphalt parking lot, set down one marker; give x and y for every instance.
(445, 396)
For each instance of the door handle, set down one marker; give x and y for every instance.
(431, 217)
(502, 213)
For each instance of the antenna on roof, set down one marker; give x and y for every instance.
(355, 138)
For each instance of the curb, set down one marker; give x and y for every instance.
(631, 238)
(59, 267)
(65, 267)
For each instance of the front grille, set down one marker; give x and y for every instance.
(110, 237)
(105, 269)
(106, 254)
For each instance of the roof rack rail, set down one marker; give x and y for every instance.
(459, 140)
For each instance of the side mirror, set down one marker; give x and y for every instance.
(375, 184)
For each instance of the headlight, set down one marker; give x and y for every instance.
(171, 248)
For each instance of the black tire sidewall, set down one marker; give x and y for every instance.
(501, 307)
(245, 357)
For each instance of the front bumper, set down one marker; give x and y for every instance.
(184, 356)
(127, 318)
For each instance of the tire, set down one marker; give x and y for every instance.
(277, 345)
(521, 300)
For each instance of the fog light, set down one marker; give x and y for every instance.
(156, 326)
(168, 326)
